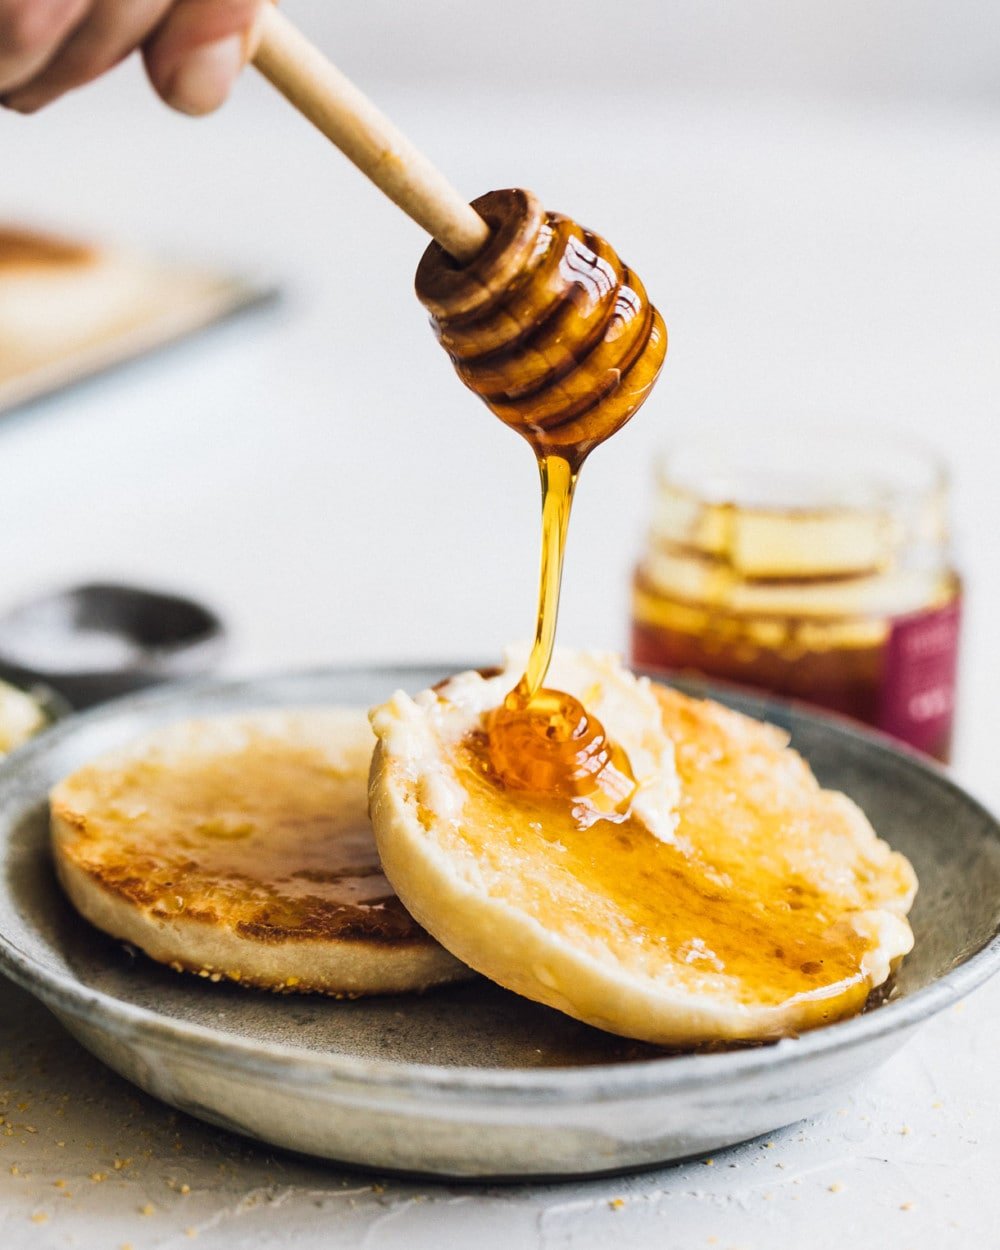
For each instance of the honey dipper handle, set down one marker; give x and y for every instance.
(366, 136)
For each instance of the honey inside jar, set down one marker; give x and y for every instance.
(810, 565)
(560, 341)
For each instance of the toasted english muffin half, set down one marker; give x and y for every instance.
(738, 901)
(239, 848)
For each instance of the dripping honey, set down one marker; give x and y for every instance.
(541, 740)
(557, 336)
(544, 741)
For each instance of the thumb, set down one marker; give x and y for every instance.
(196, 53)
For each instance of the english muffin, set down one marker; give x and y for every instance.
(239, 848)
(737, 900)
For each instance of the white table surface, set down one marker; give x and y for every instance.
(340, 501)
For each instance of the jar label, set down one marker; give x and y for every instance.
(917, 698)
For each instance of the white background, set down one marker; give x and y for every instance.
(812, 196)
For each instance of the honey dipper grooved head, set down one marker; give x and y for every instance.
(548, 327)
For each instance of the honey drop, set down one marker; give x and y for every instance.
(550, 744)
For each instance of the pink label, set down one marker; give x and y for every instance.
(917, 699)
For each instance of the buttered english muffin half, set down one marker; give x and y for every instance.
(239, 848)
(736, 899)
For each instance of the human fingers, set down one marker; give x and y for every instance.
(109, 33)
(194, 57)
(31, 32)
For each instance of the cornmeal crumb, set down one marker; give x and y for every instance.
(97, 1177)
(147, 1209)
(616, 1204)
(836, 1188)
(39, 1217)
(708, 1163)
(906, 1206)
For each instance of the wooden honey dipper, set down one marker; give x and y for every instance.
(540, 317)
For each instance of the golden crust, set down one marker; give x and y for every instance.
(240, 848)
(774, 909)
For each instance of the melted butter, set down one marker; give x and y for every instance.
(272, 839)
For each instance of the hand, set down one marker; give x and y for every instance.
(193, 49)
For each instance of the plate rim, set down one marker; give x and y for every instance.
(201, 1043)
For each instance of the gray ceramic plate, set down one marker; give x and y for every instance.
(473, 1081)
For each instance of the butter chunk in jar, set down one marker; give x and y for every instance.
(810, 564)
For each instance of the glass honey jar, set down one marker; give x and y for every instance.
(815, 565)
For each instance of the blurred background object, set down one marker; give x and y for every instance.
(21, 717)
(99, 641)
(810, 193)
(69, 309)
(814, 563)
(900, 48)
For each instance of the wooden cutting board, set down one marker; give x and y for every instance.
(68, 310)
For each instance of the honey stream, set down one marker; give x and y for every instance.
(543, 740)
(558, 487)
